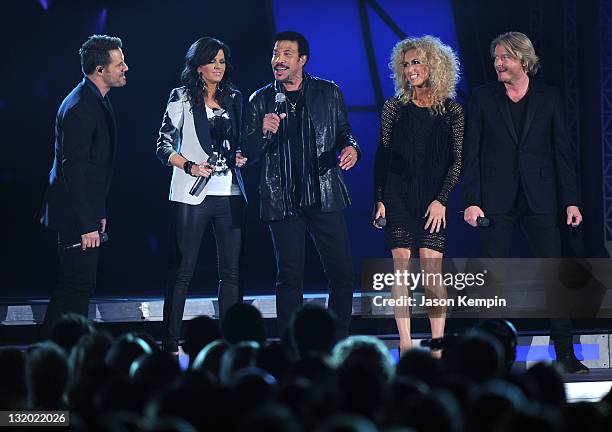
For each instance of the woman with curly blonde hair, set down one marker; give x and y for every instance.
(418, 162)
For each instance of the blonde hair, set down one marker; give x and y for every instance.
(443, 70)
(520, 47)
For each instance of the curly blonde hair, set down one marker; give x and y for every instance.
(443, 70)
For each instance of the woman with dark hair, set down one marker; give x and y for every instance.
(200, 137)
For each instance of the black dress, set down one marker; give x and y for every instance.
(418, 160)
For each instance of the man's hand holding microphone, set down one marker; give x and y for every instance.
(471, 215)
(92, 239)
(271, 123)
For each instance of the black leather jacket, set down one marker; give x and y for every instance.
(327, 115)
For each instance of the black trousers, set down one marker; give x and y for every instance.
(189, 225)
(543, 236)
(76, 280)
(330, 236)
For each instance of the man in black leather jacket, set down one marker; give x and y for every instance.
(301, 185)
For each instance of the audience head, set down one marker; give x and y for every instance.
(435, 411)
(313, 330)
(367, 351)
(421, 365)
(124, 351)
(491, 403)
(252, 388)
(209, 359)
(47, 376)
(243, 322)
(274, 359)
(90, 351)
(477, 355)
(548, 380)
(68, 329)
(364, 369)
(313, 368)
(241, 355)
(200, 332)
(193, 396)
(154, 371)
(505, 332)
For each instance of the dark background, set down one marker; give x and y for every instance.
(350, 40)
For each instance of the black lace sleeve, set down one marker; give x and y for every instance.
(457, 124)
(383, 152)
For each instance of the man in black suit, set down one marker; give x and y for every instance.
(518, 165)
(85, 147)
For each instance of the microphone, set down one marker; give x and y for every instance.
(199, 184)
(103, 239)
(483, 222)
(279, 100)
(381, 222)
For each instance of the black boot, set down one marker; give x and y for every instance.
(566, 359)
(570, 364)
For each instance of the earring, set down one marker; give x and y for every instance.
(201, 80)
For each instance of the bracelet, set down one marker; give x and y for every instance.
(187, 167)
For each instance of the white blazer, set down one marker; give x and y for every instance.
(179, 134)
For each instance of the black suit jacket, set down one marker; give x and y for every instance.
(497, 160)
(85, 145)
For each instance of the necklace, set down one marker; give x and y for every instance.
(293, 106)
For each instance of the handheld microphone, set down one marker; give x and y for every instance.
(103, 239)
(482, 222)
(381, 222)
(279, 100)
(199, 184)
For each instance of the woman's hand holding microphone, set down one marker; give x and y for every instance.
(202, 169)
